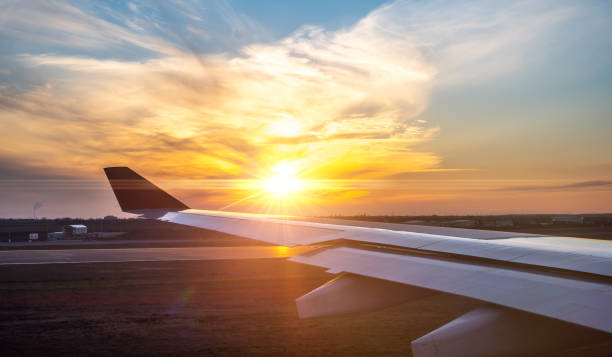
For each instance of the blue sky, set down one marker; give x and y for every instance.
(281, 18)
(229, 23)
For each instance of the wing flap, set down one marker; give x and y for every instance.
(583, 303)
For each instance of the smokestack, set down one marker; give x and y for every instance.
(37, 205)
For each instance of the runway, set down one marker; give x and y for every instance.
(12, 257)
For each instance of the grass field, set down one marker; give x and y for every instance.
(193, 308)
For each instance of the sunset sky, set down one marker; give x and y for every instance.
(398, 107)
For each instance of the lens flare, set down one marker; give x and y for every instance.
(284, 180)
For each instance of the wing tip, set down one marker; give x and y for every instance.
(135, 193)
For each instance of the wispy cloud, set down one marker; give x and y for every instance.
(66, 26)
(475, 40)
(571, 186)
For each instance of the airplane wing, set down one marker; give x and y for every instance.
(539, 293)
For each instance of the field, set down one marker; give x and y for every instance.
(222, 307)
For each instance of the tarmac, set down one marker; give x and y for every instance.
(110, 242)
(62, 256)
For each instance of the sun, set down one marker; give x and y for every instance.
(284, 181)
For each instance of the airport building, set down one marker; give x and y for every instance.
(567, 219)
(75, 230)
(462, 223)
(71, 231)
(497, 223)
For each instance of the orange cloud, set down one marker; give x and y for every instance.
(337, 105)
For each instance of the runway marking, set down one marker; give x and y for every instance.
(74, 256)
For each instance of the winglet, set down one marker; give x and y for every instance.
(135, 193)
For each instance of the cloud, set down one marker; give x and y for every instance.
(209, 116)
(176, 91)
(34, 169)
(476, 40)
(62, 24)
(572, 186)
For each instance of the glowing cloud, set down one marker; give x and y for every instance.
(343, 99)
(339, 104)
